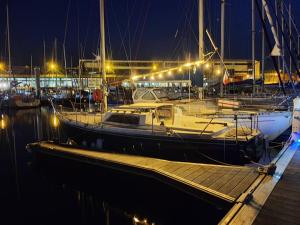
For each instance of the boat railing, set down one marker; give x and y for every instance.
(239, 120)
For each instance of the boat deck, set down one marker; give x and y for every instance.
(216, 183)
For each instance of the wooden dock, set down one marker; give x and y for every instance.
(275, 199)
(213, 183)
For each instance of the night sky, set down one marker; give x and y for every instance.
(150, 29)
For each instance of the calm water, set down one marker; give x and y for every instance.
(38, 193)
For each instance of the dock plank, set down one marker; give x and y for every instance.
(209, 180)
(283, 205)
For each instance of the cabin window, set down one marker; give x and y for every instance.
(148, 96)
(164, 112)
(160, 93)
(125, 119)
(138, 94)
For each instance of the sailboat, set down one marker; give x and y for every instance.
(16, 97)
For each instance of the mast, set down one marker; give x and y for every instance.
(290, 29)
(201, 30)
(263, 52)
(201, 41)
(222, 44)
(65, 59)
(253, 46)
(102, 50)
(8, 44)
(44, 49)
(282, 39)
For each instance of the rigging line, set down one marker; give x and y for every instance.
(188, 28)
(67, 21)
(268, 41)
(294, 45)
(109, 49)
(190, 24)
(182, 8)
(143, 27)
(141, 22)
(127, 31)
(87, 30)
(292, 19)
(183, 41)
(289, 47)
(78, 30)
(118, 28)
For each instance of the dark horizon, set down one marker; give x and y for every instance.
(149, 29)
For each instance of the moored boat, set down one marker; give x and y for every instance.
(162, 130)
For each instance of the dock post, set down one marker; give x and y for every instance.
(251, 117)
(37, 73)
(296, 116)
(236, 128)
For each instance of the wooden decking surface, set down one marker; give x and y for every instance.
(275, 199)
(283, 205)
(225, 183)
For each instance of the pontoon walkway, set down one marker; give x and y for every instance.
(213, 183)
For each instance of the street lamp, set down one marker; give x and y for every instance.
(52, 66)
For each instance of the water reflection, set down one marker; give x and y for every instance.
(50, 191)
(3, 121)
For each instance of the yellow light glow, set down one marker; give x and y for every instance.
(188, 64)
(197, 64)
(136, 220)
(152, 77)
(2, 66)
(180, 69)
(134, 77)
(160, 75)
(218, 71)
(144, 77)
(54, 121)
(52, 66)
(154, 67)
(207, 65)
(3, 122)
(169, 72)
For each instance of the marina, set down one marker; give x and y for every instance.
(149, 112)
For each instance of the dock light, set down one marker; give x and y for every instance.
(180, 69)
(152, 77)
(160, 75)
(169, 72)
(154, 67)
(207, 66)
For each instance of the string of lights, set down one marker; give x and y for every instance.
(170, 71)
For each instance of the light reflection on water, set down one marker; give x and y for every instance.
(45, 194)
